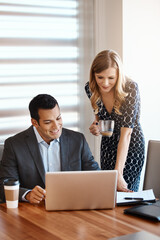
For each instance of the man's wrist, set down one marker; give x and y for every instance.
(24, 196)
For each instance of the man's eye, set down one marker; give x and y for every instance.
(47, 122)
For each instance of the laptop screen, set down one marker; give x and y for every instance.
(81, 190)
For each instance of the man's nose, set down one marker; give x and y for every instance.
(55, 125)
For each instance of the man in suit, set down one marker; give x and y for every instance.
(45, 146)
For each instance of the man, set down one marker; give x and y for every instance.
(45, 146)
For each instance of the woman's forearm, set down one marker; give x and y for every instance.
(122, 149)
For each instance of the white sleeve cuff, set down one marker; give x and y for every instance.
(24, 196)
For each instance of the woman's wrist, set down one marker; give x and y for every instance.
(119, 169)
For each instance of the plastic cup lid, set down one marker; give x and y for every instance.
(10, 182)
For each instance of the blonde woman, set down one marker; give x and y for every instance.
(113, 96)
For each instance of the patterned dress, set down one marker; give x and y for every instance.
(130, 118)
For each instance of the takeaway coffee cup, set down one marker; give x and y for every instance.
(11, 189)
(106, 127)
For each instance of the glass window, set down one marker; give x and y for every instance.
(42, 46)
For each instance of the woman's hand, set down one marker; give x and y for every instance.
(121, 184)
(94, 128)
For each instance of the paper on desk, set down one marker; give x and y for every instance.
(147, 195)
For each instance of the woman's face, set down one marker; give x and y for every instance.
(106, 80)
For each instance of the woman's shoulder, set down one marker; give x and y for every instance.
(87, 89)
(87, 86)
(130, 85)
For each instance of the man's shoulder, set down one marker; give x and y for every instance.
(72, 133)
(21, 134)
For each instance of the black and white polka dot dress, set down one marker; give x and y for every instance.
(130, 118)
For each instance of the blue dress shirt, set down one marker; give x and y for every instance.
(50, 153)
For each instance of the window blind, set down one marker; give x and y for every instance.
(39, 53)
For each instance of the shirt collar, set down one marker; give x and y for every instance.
(39, 138)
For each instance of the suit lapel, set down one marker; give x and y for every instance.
(64, 150)
(34, 150)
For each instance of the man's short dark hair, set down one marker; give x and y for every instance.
(41, 101)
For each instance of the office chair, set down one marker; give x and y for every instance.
(152, 172)
(1, 150)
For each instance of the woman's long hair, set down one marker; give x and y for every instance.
(103, 61)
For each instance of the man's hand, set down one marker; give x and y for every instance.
(36, 195)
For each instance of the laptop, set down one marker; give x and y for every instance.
(152, 178)
(150, 211)
(81, 190)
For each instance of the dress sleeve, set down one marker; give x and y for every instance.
(88, 91)
(131, 108)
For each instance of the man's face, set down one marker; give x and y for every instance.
(50, 124)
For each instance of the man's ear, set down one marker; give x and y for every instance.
(34, 122)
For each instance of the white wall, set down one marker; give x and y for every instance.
(108, 25)
(141, 58)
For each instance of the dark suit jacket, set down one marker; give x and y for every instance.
(22, 159)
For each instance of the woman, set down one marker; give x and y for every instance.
(113, 96)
